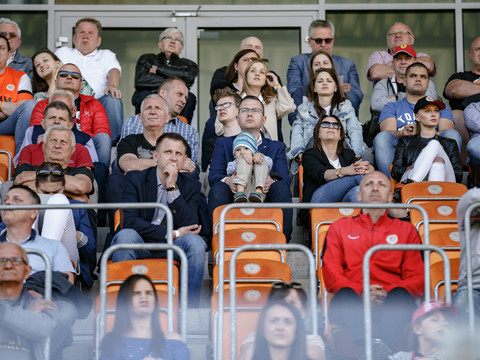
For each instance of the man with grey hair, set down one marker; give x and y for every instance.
(12, 32)
(152, 69)
(321, 36)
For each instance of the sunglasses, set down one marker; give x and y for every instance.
(16, 261)
(225, 106)
(11, 35)
(56, 174)
(320, 41)
(287, 285)
(173, 38)
(73, 74)
(326, 125)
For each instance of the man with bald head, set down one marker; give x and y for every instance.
(380, 63)
(19, 309)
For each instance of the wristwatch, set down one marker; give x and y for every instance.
(171, 188)
(339, 174)
(176, 234)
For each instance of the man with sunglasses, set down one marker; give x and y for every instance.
(380, 63)
(152, 69)
(100, 68)
(20, 309)
(321, 36)
(12, 32)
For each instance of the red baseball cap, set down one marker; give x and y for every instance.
(407, 49)
(428, 308)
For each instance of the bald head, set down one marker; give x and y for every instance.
(253, 43)
(375, 187)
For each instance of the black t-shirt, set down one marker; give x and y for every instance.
(135, 144)
(460, 104)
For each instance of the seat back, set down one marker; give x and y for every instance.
(441, 214)
(437, 279)
(431, 190)
(7, 145)
(251, 218)
(300, 181)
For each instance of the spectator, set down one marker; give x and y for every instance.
(151, 70)
(16, 101)
(251, 119)
(280, 333)
(165, 184)
(100, 68)
(332, 172)
(396, 276)
(380, 63)
(136, 332)
(261, 83)
(293, 294)
(471, 115)
(19, 309)
(426, 156)
(90, 114)
(226, 105)
(397, 118)
(45, 70)
(392, 89)
(431, 323)
(11, 30)
(325, 97)
(321, 35)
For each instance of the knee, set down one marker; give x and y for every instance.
(102, 139)
(193, 245)
(454, 135)
(382, 139)
(219, 192)
(127, 236)
(58, 199)
(279, 192)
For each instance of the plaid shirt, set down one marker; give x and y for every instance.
(133, 125)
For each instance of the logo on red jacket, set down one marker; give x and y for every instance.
(392, 239)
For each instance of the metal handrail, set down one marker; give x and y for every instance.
(233, 280)
(366, 282)
(9, 168)
(218, 349)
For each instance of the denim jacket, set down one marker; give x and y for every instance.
(307, 118)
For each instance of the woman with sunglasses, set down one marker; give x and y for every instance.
(45, 70)
(425, 155)
(325, 97)
(71, 227)
(293, 294)
(136, 332)
(332, 173)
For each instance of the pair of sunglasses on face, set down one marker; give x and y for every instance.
(64, 74)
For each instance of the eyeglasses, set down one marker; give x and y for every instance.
(254, 111)
(326, 125)
(320, 41)
(287, 285)
(404, 33)
(173, 38)
(56, 174)
(73, 74)
(10, 35)
(16, 261)
(225, 106)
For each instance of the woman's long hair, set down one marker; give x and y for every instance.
(230, 73)
(113, 340)
(267, 91)
(314, 55)
(338, 96)
(39, 84)
(298, 349)
(317, 143)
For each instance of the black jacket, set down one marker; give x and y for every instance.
(409, 147)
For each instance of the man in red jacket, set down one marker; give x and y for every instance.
(396, 277)
(91, 117)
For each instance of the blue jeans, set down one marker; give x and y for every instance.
(114, 110)
(460, 299)
(103, 146)
(473, 151)
(339, 190)
(385, 144)
(194, 248)
(17, 123)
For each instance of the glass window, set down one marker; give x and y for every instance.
(471, 30)
(216, 48)
(184, 2)
(358, 34)
(34, 30)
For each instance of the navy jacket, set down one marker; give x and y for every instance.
(223, 154)
(141, 186)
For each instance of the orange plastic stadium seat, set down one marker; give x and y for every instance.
(7, 143)
(300, 181)
(415, 192)
(437, 279)
(234, 238)
(445, 238)
(250, 302)
(3, 172)
(441, 214)
(255, 271)
(251, 218)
